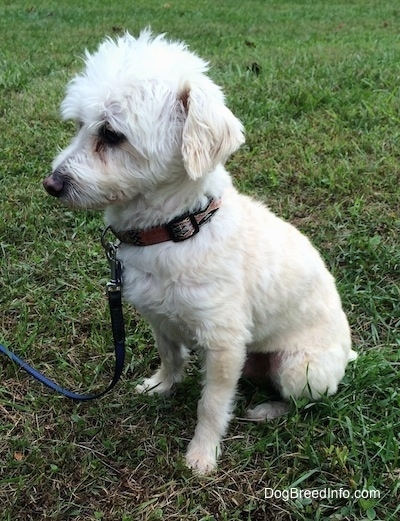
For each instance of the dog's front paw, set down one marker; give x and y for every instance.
(153, 385)
(202, 459)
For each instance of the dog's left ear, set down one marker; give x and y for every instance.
(211, 132)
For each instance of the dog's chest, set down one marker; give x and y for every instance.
(161, 291)
(147, 291)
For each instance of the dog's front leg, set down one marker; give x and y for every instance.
(223, 369)
(173, 358)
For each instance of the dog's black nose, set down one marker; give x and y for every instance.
(54, 184)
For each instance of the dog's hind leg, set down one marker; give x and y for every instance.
(173, 357)
(301, 374)
(262, 369)
(223, 368)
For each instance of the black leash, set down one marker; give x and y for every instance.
(114, 293)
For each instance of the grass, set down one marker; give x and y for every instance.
(316, 85)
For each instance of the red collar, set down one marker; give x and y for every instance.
(179, 229)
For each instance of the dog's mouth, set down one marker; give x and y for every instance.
(64, 189)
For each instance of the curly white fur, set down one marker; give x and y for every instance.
(247, 282)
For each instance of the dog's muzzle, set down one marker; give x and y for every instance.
(54, 184)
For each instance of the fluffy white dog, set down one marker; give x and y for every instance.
(210, 269)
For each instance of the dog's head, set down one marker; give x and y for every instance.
(146, 115)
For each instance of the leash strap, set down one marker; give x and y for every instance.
(114, 293)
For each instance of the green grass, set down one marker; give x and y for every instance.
(317, 86)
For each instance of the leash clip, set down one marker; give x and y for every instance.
(110, 248)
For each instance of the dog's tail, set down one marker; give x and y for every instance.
(352, 355)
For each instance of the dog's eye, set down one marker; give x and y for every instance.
(111, 137)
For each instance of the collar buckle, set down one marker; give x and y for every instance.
(183, 228)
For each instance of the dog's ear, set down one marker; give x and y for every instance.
(211, 132)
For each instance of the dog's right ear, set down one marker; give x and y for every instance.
(211, 132)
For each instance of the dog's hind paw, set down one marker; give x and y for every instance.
(268, 411)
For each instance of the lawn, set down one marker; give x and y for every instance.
(317, 86)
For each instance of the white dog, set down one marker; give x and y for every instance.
(209, 268)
